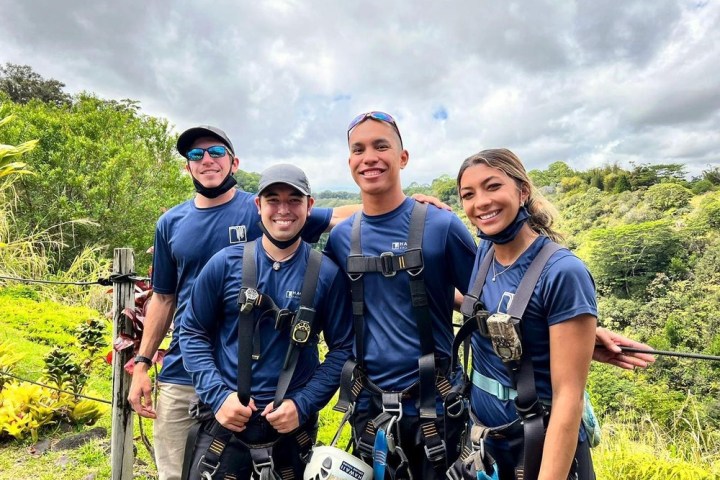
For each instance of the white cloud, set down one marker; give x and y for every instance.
(584, 82)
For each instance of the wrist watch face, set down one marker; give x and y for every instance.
(251, 294)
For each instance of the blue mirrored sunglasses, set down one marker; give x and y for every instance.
(216, 151)
(382, 116)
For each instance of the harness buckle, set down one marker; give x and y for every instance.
(259, 467)
(205, 474)
(283, 318)
(392, 404)
(454, 405)
(436, 453)
(386, 263)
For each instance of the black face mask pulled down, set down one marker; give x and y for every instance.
(214, 192)
(278, 243)
(511, 231)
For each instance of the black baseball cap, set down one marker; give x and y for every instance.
(188, 137)
(287, 174)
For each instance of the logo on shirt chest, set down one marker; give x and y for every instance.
(238, 234)
(398, 246)
(292, 294)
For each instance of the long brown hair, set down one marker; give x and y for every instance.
(542, 213)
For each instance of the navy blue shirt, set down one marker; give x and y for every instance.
(187, 236)
(209, 339)
(564, 290)
(392, 341)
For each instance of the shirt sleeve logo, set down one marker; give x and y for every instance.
(238, 234)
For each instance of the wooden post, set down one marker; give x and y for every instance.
(121, 443)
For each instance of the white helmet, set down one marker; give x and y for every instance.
(329, 463)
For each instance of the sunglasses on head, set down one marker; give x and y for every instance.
(197, 154)
(381, 116)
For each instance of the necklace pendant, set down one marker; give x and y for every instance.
(276, 266)
(493, 279)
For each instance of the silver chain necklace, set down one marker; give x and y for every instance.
(497, 274)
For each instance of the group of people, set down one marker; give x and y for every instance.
(249, 299)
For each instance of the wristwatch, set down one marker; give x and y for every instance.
(141, 359)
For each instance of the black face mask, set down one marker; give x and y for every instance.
(510, 231)
(214, 192)
(278, 243)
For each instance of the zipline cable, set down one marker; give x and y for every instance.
(696, 356)
(55, 388)
(100, 281)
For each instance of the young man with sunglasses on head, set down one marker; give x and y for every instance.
(249, 339)
(405, 263)
(186, 237)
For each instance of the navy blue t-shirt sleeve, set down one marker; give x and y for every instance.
(198, 329)
(568, 289)
(460, 253)
(164, 272)
(334, 312)
(317, 223)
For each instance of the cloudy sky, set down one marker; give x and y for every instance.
(589, 82)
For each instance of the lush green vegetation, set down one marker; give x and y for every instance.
(101, 173)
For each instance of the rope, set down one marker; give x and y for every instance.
(115, 278)
(55, 388)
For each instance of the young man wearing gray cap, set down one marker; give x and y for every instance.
(185, 238)
(249, 340)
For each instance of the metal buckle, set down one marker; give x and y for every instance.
(394, 409)
(456, 402)
(436, 453)
(259, 467)
(205, 474)
(387, 265)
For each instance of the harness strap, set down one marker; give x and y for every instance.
(301, 323)
(527, 403)
(530, 409)
(493, 387)
(301, 326)
(261, 454)
(246, 326)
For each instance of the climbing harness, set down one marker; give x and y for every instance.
(505, 333)
(380, 439)
(300, 326)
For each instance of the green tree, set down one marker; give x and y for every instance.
(248, 181)
(555, 172)
(622, 184)
(22, 84)
(626, 258)
(98, 160)
(664, 196)
(445, 188)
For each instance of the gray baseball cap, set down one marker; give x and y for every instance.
(287, 174)
(188, 137)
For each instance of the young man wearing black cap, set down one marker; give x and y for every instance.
(284, 294)
(186, 237)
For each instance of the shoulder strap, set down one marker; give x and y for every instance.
(302, 325)
(470, 300)
(470, 307)
(527, 403)
(530, 279)
(246, 326)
